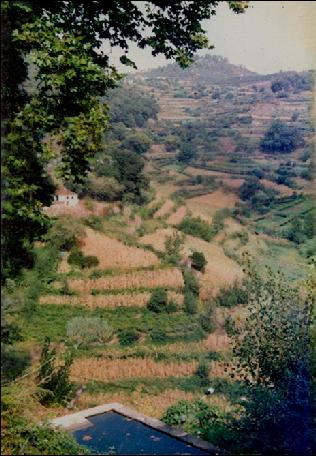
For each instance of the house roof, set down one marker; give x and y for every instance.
(64, 191)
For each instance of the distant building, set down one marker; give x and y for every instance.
(65, 197)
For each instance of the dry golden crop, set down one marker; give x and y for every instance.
(157, 239)
(112, 253)
(171, 277)
(165, 209)
(177, 216)
(206, 205)
(108, 370)
(115, 300)
(218, 342)
(149, 404)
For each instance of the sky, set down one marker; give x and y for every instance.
(270, 36)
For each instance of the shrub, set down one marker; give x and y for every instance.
(206, 322)
(190, 303)
(197, 227)
(198, 261)
(173, 246)
(128, 337)
(86, 330)
(202, 372)
(64, 233)
(158, 301)
(191, 283)
(231, 296)
(172, 306)
(90, 261)
(13, 362)
(281, 137)
(22, 436)
(214, 356)
(197, 417)
(54, 379)
(77, 258)
(230, 326)
(94, 222)
(158, 336)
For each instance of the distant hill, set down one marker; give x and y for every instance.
(210, 69)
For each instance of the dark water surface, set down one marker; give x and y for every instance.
(112, 433)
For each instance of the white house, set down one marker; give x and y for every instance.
(65, 197)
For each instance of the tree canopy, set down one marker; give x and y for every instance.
(281, 137)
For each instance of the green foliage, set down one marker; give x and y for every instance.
(54, 379)
(197, 417)
(72, 74)
(158, 301)
(130, 107)
(173, 247)
(292, 81)
(128, 337)
(187, 153)
(274, 357)
(302, 228)
(249, 188)
(230, 326)
(198, 260)
(64, 233)
(22, 436)
(202, 372)
(77, 258)
(207, 318)
(258, 197)
(13, 362)
(190, 303)
(232, 296)
(191, 283)
(172, 143)
(158, 336)
(281, 137)
(195, 226)
(85, 330)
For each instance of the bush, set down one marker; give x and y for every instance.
(54, 379)
(191, 283)
(230, 326)
(77, 258)
(22, 436)
(64, 233)
(90, 261)
(207, 323)
(173, 245)
(198, 261)
(128, 337)
(158, 336)
(190, 303)
(158, 301)
(197, 418)
(172, 306)
(13, 363)
(85, 330)
(281, 137)
(202, 372)
(197, 227)
(231, 296)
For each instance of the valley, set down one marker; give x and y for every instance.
(201, 156)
